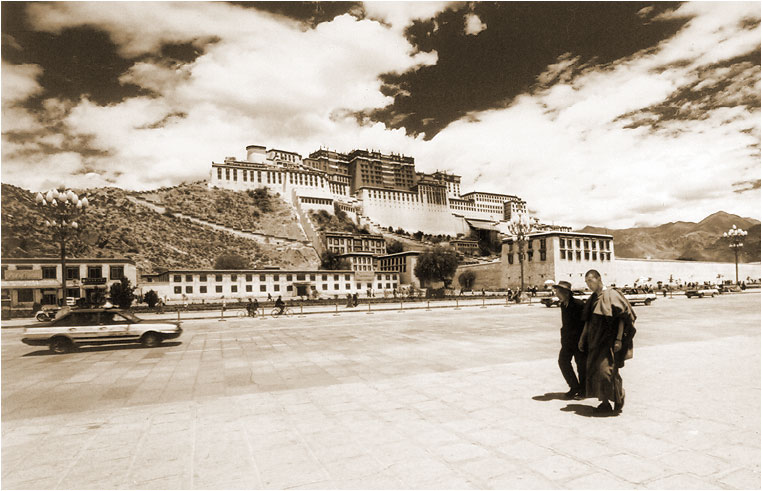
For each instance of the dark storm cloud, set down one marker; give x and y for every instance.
(77, 62)
(521, 40)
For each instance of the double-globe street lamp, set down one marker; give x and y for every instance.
(736, 236)
(62, 208)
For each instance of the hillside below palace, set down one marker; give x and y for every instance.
(382, 189)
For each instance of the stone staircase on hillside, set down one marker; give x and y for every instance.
(281, 243)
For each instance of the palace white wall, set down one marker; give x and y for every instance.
(410, 212)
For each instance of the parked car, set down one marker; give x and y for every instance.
(46, 313)
(701, 292)
(635, 297)
(74, 327)
(553, 301)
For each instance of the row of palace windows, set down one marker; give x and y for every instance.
(250, 288)
(570, 255)
(572, 243)
(178, 278)
(73, 272)
(530, 256)
(273, 177)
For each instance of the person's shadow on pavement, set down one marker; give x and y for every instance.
(587, 411)
(551, 396)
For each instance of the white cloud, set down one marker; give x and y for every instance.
(399, 15)
(564, 147)
(474, 24)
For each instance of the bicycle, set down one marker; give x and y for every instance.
(247, 313)
(276, 312)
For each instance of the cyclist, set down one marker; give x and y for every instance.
(252, 307)
(280, 305)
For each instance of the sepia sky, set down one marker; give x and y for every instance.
(608, 114)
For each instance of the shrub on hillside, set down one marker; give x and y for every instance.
(231, 261)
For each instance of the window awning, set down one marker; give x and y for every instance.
(49, 283)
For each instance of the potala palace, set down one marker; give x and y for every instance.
(383, 189)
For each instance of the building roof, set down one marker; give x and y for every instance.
(403, 253)
(350, 234)
(558, 232)
(248, 271)
(69, 260)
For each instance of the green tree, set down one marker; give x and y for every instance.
(438, 264)
(151, 298)
(466, 279)
(122, 293)
(231, 261)
(331, 260)
(394, 247)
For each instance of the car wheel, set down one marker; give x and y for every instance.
(648, 301)
(547, 305)
(712, 295)
(701, 295)
(150, 340)
(61, 345)
(42, 317)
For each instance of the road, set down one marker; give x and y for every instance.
(447, 398)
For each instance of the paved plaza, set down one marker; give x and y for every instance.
(467, 398)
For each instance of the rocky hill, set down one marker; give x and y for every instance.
(700, 241)
(115, 226)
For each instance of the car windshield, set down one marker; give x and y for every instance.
(131, 317)
(62, 312)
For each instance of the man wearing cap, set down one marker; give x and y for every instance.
(572, 324)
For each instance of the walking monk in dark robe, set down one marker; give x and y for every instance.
(607, 338)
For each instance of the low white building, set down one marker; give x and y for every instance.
(26, 281)
(197, 286)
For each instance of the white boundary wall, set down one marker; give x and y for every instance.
(629, 270)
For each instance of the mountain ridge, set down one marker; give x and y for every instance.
(690, 241)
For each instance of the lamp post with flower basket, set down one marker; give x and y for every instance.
(518, 231)
(735, 235)
(62, 208)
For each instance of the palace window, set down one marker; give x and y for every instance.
(188, 289)
(188, 277)
(234, 288)
(577, 242)
(595, 256)
(249, 277)
(227, 174)
(563, 254)
(178, 290)
(262, 288)
(261, 277)
(202, 277)
(49, 272)
(202, 289)
(543, 256)
(587, 255)
(177, 278)
(579, 256)
(218, 288)
(94, 272)
(248, 288)
(233, 277)
(218, 277)
(235, 174)
(72, 273)
(219, 174)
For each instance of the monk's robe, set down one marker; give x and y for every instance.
(603, 312)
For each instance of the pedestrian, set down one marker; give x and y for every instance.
(607, 340)
(355, 299)
(269, 297)
(572, 325)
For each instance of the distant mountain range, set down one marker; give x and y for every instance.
(688, 241)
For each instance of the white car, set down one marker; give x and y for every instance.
(635, 297)
(702, 292)
(73, 327)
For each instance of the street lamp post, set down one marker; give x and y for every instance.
(736, 236)
(519, 230)
(62, 208)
